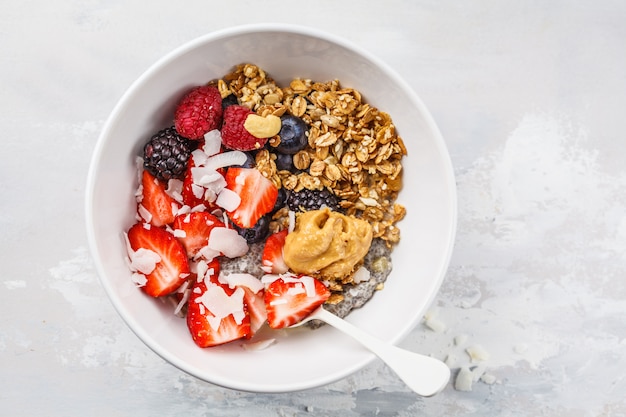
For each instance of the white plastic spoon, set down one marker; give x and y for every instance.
(423, 374)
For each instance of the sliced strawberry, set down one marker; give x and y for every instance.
(160, 206)
(173, 268)
(216, 314)
(272, 257)
(196, 226)
(258, 195)
(189, 190)
(255, 304)
(289, 300)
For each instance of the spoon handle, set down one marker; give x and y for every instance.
(423, 374)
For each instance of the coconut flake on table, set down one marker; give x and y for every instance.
(477, 353)
(464, 380)
(433, 323)
(228, 200)
(227, 241)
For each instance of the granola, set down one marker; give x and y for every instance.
(353, 151)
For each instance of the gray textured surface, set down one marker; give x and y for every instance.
(530, 97)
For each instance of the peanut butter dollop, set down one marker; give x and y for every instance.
(327, 242)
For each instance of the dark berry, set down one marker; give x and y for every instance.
(284, 162)
(230, 100)
(281, 199)
(166, 154)
(256, 233)
(292, 134)
(306, 200)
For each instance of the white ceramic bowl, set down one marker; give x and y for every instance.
(300, 359)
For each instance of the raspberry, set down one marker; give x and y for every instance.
(199, 112)
(234, 134)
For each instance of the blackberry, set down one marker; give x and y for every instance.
(307, 200)
(166, 154)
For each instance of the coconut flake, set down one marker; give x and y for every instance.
(292, 220)
(226, 159)
(180, 233)
(184, 209)
(241, 279)
(221, 304)
(488, 379)
(297, 289)
(269, 278)
(207, 253)
(228, 200)
(144, 213)
(212, 142)
(464, 380)
(199, 207)
(144, 260)
(477, 353)
(197, 190)
(175, 189)
(204, 176)
(309, 286)
(361, 275)
(139, 279)
(228, 242)
(199, 157)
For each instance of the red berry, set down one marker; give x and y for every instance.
(289, 300)
(258, 195)
(199, 112)
(234, 134)
(156, 206)
(172, 268)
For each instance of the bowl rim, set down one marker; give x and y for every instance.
(226, 33)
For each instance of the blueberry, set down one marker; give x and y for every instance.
(256, 233)
(292, 135)
(229, 101)
(284, 162)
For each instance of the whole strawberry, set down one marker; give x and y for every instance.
(199, 112)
